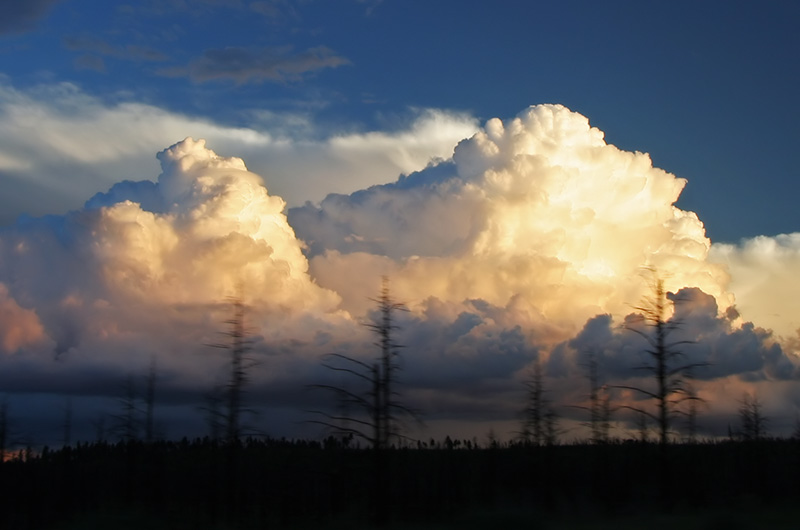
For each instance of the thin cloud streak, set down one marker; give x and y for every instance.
(130, 52)
(254, 65)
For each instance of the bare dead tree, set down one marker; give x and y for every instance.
(126, 422)
(752, 417)
(599, 403)
(237, 347)
(135, 412)
(373, 413)
(532, 429)
(664, 364)
(238, 377)
(533, 414)
(693, 400)
(594, 401)
(605, 416)
(384, 328)
(551, 427)
(540, 421)
(642, 429)
(360, 412)
(149, 401)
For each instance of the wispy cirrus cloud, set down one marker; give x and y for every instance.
(84, 144)
(247, 65)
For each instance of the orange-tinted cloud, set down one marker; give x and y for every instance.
(19, 328)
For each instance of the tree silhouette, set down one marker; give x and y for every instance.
(691, 414)
(664, 359)
(384, 328)
(229, 415)
(752, 417)
(126, 422)
(599, 403)
(642, 429)
(149, 402)
(540, 421)
(372, 414)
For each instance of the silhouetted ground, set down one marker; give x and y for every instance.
(279, 484)
(745, 519)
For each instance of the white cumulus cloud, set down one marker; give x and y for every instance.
(764, 277)
(146, 269)
(539, 209)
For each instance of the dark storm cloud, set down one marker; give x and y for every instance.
(246, 65)
(19, 16)
(458, 355)
(702, 336)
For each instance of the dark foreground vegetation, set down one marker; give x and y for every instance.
(204, 484)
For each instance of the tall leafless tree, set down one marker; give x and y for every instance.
(665, 359)
(372, 414)
(126, 422)
(540, 421)
(149, 402)
(751, 416)
(691, 413)
(384, 328)
(237, 347)
(599, 403)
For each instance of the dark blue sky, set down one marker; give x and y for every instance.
(707, 88)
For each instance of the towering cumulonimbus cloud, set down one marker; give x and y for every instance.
(536, 211)
(146, 268)
(210, 224)
(537, 241)
(534, 242)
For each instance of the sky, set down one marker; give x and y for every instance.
(515, 169)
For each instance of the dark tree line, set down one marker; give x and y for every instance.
(245, 482)
(312, 484)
